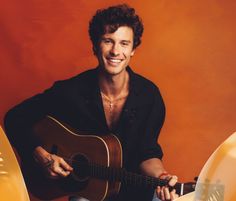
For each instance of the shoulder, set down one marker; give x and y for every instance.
(143, 85)
(85, 76)
(148, 84)
(80, 81)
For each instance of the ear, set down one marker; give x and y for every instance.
(94, 50)
(132, 53)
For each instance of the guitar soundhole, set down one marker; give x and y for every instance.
(80, 165)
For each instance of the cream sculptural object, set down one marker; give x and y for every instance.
(12, 185)
(217, 180)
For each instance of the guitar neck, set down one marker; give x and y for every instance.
(129, 178)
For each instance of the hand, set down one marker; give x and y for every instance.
(164, 193)
(54, 166)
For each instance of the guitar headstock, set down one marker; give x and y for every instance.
(188, 188)
(184, 188)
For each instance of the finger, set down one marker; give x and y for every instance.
(65, 165)
(52, 175)
(162, 194)
(158, 191)
(55, 166)
(167, 193)
(173, 195)
(173, 180)
(60, 171)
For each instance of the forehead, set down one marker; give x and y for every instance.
(122, 33)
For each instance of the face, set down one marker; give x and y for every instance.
(115, 50)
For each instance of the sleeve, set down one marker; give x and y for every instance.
(19, 120)
(150, 147)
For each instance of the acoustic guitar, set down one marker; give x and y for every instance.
(97, 164)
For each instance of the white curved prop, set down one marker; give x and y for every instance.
(12, 185)
(217, 180)
(186, 197)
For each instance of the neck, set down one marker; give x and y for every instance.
(114, 85)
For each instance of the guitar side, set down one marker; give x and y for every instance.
(61, 140)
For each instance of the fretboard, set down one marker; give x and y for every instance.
(129, 178)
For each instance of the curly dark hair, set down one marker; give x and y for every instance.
(108, 20)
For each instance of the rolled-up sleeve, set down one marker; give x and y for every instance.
(18, 121)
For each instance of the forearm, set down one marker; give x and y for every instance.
(152, 167)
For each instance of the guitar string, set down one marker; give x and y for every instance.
(150, 180)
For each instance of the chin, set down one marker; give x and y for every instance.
(114, 70)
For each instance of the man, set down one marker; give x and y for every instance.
(108, 99)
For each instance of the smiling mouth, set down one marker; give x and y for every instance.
(114, 61)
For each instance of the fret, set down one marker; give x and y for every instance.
(121, 175)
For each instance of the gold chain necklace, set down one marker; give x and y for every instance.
(112, 102)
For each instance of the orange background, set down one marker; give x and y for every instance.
(188, 50)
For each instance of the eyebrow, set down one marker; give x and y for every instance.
(108, 38)
(127, 41)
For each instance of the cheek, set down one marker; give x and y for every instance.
(128, 54)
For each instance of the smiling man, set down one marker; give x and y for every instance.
(108, 99)
(115, 50)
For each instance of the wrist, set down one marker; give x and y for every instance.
(41, 155)
(163, 174)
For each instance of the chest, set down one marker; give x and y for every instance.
(113, 111)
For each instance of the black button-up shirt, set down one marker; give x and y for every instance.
(78, 103)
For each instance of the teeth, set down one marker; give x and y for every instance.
(115, 60)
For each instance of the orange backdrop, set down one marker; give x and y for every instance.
(188, 50)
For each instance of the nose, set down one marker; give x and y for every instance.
(114, 50)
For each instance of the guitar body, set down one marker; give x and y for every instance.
(79, 149)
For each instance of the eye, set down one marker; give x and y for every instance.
(106, 41)
(124, 43)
